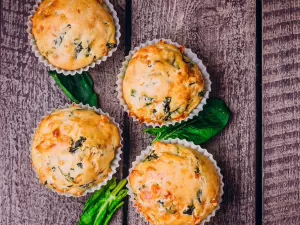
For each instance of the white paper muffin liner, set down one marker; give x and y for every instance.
(188, 53)
(44, 60)
(114, 163)
(187, 144)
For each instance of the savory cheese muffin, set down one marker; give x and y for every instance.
(72, 35)
(175, 185)
(73, 148)
(161, 84)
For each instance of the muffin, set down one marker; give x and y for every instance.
(72, 36)
(73, 148)
(175, 185)
(161, 84)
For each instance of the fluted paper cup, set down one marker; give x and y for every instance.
(187, 144)
(114, 163)
(188, 53)
(44, 60)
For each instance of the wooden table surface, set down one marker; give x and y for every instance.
(251, 51)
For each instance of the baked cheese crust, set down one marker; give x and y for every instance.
(73, 148)
(72, 35)
(175, 185)
(161, 84)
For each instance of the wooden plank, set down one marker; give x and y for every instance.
(27, 92)
(281, 81)
(222, 33)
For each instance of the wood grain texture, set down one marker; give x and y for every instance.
(281, 107)
(222, 33)
(26, 93)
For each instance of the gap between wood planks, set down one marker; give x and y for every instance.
(259, 120)
(126, 136)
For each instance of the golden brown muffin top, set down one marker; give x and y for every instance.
(161, 84)
(72, 35)
(175, 185)
(73, 148)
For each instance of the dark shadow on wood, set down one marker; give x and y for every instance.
(259, 135)
(126, 136)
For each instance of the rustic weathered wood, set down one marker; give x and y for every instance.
(222, 33)
(281, 107)
(27, 92)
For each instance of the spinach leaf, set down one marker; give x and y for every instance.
(166, 106)
(110, 45)
(209, 122)
(170, 210)
(78, 49)
(79, 88)
(103, 204)
(189, 210)
(199, 194)
(59, 39)
(74, 146)
(150, 157)
(67, 176)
